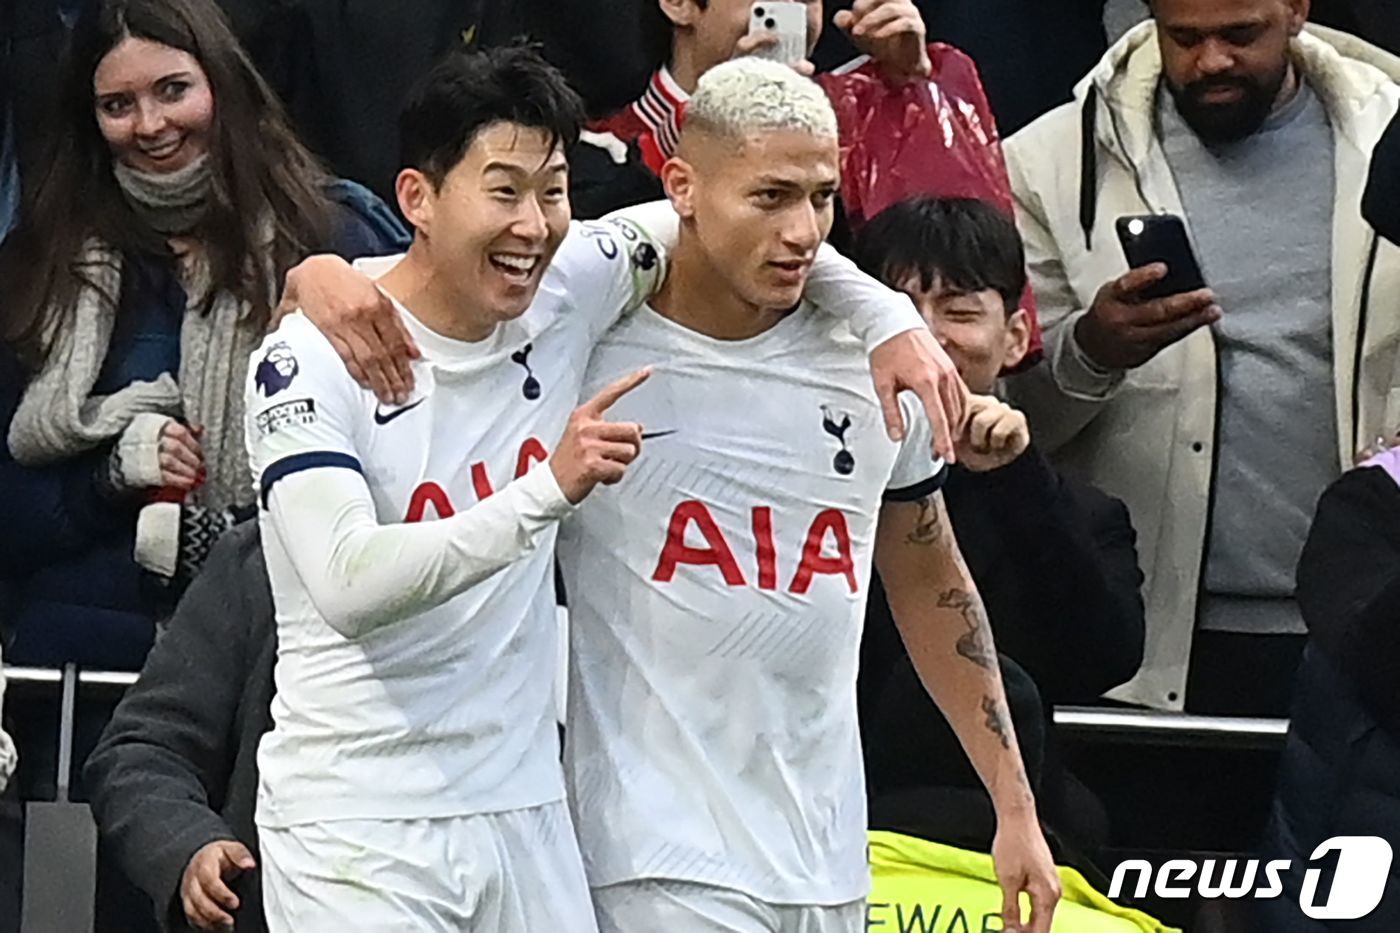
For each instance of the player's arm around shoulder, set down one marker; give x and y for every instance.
(358, 320)
(944, 626)
(904, 356)
(607, 268)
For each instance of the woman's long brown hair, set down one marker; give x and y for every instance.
(262, 174)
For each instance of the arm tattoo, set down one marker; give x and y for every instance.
(926, 529)
(997, 721)
(976, 643)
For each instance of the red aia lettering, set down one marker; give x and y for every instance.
(481, 483)
(814, 561)
(717, 552)
(425, 495)
(677, 552)
(767, 550)
(531, 453)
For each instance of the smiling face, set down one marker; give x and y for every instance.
(497, 218)
(981, 337)
(153, 105)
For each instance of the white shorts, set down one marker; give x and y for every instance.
(653, 905)
(513, 872)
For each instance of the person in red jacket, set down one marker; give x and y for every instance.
(690, 37)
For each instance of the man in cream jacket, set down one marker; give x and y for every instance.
(1219, 416)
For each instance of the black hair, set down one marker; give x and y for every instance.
(969, 245)
(468, 91)
(262, 175)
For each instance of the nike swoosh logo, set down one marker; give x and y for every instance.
(381, 419)
(652, 435)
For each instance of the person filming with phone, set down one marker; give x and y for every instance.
(1218, 346)
(687, 38)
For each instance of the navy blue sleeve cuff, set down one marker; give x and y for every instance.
(296, 463)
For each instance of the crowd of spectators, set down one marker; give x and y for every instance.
(1189, 504)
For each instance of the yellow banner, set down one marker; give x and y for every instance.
(925, 887)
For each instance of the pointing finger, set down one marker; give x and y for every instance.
(605, 399)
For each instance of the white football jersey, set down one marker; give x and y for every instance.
(717, 596)
(448, 710)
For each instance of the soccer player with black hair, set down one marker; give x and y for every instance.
(412, 777)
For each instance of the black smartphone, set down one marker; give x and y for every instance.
(1149, 238)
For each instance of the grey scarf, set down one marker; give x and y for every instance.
(59, 417)
(173, 203)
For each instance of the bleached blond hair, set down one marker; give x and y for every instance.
(753, 95)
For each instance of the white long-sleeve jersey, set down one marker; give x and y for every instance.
(409, 550)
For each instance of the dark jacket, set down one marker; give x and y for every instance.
(346, 69)
(77, 593)
(176, 768)
(1340, 776)
(1340, 773)
(1349, 588)
(599, 184)
(1056, 564)
(1376, 21)
(1380, 204)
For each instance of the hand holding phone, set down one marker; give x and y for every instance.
(784, 20)
(1158, 302)
(1161, 238)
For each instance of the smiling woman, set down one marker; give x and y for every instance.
(140, 278)
(147, 259)
(154, 106)
(164, 129)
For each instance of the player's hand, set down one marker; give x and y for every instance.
(1123, 330)
(993, 436)
(753, 43)
(360, 322)
(915, 361)
(1023, 864)
(204, 893)
(593, 449)
(181, 456)
(892, 33)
